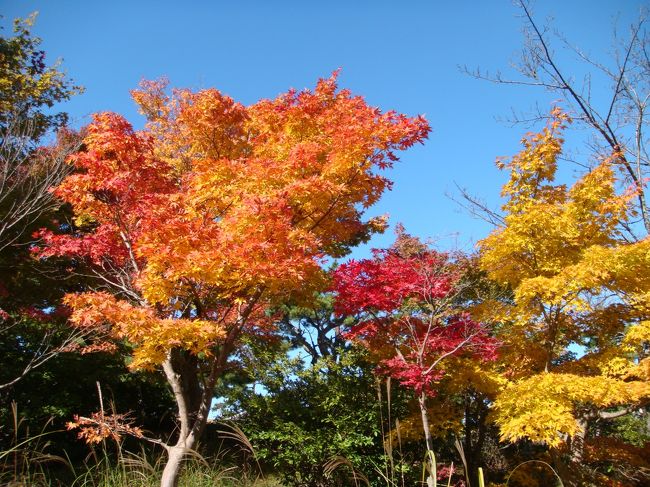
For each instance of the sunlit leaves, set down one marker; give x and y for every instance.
(151, 336)
(542, 407)
(29, 88)
(575, 282)
(404, 298)
(216, 210)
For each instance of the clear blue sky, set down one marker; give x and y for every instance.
(401, 55)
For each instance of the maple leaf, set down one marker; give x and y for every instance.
(403, 301)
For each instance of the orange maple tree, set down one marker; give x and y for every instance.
(197, 225)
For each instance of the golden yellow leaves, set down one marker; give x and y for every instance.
(637, 335)
(575, 281)
(151, 337)
(534, 166)
(542, 407)
(556, 242)
(595, 210)
(466, 373)
(445, 417)
(548, 227)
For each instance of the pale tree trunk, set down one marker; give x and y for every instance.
(422, 401)
(192, 382)
(172, 467)
(193, 400)
(578, 442)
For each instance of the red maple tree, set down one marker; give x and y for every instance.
(406, 301)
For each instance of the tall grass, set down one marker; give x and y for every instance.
(140, 470)
(23, 463)
(137, 471)
(27, 463)
(131, 470)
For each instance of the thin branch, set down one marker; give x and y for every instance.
(477, 208)
(620, 412)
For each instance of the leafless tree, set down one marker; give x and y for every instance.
(26, 176)
(48, 346)
(618, 121)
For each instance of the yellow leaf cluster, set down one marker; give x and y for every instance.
(466, 373)
(444, 418)
(575, 280)
(542, 407)
(152, 337)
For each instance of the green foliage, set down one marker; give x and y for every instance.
(313, 328)
(631, 428)
(67, 385)
(28, 86)
(299, 417)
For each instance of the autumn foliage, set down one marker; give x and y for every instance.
(205, 249)
(404, 299)
(576, 331)
(405, 303)
(196, 226)
(215, 203)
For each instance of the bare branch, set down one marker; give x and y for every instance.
(620, 412)
(477, 208)
(619, 128)
(46, 350)
(26, 176)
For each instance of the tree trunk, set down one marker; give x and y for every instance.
(422, 401)
(578, 442)
(192, 382)
(475, 414)
(173, 466)
(469, 448)
(193, 401)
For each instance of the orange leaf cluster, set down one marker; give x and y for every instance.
(140, 326)
(101, 426)
(219, 206)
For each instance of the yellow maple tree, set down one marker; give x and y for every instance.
(577, 329)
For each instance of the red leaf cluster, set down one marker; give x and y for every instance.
(384, 283)
(404, 301)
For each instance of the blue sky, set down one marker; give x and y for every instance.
(403, 55)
